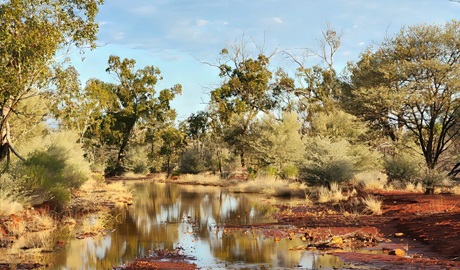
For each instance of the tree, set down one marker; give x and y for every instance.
(31, 34)
(320, 86)
(134, 102)
(415, 75)
(173, 142)
(246, 91)
(278, 144)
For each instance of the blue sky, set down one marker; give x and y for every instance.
(178, 35)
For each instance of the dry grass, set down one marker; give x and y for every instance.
(35, 240)
(272, 186)
(202, 179)
(456, 190)
(41, 221)
(94, 223)
(373, 180)
(8, 206)
(411, 187)
(334, 194)
(373, 205)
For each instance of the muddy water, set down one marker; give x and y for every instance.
(192, 219)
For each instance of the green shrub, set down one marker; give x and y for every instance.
(137, 160)
(289, 171)
(53, 169)
(328, 161)
(402, 168)
(191, 162)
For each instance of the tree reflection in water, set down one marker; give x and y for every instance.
(192, 218)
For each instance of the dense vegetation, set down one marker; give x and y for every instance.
(395, 109)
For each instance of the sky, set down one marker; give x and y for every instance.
(180, 36)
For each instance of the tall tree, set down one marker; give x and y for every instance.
(416, 75)
(135, 101)
(31, 34)
(247, 89)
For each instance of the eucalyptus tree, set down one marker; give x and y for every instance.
(320, 87)
(32, 34)
(412, 83)
(248, 88)
(133, 101)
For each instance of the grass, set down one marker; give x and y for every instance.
(411, 187)
(334, 194)
(272, 186)
(94, 223)
(373, 180)
(35, 240)
(373, 205)
(8, 206)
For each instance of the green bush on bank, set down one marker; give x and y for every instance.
(328, 161)
(53, 169)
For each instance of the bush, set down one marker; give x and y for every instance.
(53, 169)
(191, 162)
(329, 161)
(137, 160)
(402, 168)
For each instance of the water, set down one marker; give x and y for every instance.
(192, 218)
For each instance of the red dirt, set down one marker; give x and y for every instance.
(430, 224)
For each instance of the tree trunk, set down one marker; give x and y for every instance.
(119, 167)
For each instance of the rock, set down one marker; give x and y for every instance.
(397, 252)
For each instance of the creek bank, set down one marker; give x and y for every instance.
(36, 231)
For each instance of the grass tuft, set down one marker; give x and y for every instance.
(373, 204)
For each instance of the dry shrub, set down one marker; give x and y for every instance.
(35, 240)
(94, 223)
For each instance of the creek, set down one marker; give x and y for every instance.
(202, 222)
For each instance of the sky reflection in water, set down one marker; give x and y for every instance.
(192, 218)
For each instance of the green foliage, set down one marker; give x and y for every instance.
(123, 108)
(137, 160)
(31, 34)
(411, 83)
(248, 88)
(54, 166)
(191, 162)
(337, 124)
(329, 161)
(278, 144)
(402, 167)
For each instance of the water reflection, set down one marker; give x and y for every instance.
(192, 218)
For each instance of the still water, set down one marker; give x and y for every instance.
(192, 219)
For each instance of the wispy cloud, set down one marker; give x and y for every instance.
(143, 10)
(201, 22)
(277, 20)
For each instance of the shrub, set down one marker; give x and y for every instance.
(431, 179)
(191, 162)
(137, 160)
(402, 168)
(329, 161)
(53, 169)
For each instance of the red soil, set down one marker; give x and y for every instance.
(430, 225)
